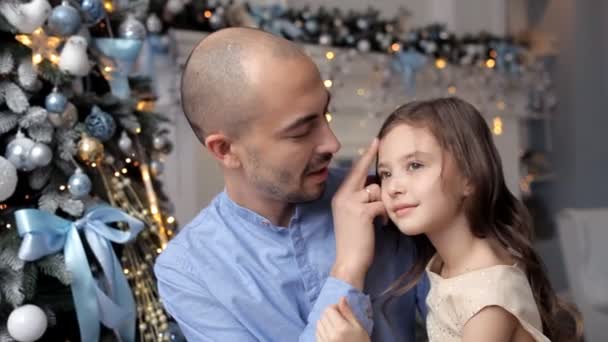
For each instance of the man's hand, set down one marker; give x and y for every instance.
(339, 324)
(354, 208)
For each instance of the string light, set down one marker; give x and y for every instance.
(497, 126)
(440, 63)
(108, 5)
(328, 83)
(170, 220)
(208, 14)
(490, 63)
(124, 170)
(62, 188)
(128, 160)
(330, 55)
(116, 174)
(396, 47)
(328, 117)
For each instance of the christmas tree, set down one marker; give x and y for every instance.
(82, 212)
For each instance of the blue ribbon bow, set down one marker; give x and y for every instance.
(44, 233)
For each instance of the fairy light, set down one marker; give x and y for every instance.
(108, 5)
(328, 117)
(62, 188)
(93, 164)
(497, 126)
(208, 14)
(128, 160)
(124, 170)
(170, 220)
(360, 91)
(37, 58)
(490, 63)
(116, 174)
(452, 90)
(440, 63)
(328, 83)
(330, 55)
(396, 47)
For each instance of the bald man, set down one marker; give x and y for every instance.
(255, 264)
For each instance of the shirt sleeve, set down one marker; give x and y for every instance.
(199, 314)
(330, 294)
(422, 290)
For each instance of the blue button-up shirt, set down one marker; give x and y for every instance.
(231, 275)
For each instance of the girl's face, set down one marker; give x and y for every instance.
(422, 189)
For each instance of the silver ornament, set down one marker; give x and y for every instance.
(159, 142)
(8, 179)
(55, 102)
(132, 28)
(18, 151)
(40, 154)
(325, 39)
(157, 167)
(124, 143)
(153, 24)
(64, 20)
(363, 45)
(79, 184)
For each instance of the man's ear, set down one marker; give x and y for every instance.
(221, 149)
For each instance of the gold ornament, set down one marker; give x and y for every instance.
(90, 149)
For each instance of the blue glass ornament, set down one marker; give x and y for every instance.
(64, 20)
(100, 124)
(55, 102)
(408, 63)
(79, 184)
(123, 52)
(92, 11)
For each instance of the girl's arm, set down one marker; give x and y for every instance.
(339, 324)
(492, 323)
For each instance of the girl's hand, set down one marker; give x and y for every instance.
(339, 324)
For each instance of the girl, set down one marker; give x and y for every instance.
(441, 182)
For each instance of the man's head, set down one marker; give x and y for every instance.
(258, 103)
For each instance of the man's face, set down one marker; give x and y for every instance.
(286, 151)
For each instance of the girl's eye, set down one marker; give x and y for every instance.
(413, 166)
(384, 174)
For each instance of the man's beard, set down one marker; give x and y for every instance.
(281, 181)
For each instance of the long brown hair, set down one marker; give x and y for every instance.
(493, 212)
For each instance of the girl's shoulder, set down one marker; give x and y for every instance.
(465, 295)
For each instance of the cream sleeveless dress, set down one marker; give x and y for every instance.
(453, 301)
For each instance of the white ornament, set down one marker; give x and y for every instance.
(26, 323)
(8, 179)
(26, 17)
(73, 58)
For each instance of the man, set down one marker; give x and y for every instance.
(255, 264)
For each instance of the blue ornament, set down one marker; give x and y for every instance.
(64, 20)
(123, 53)
(100, 124)
(408, 63)
(92, 11)
(55, 102)
(79, 184)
